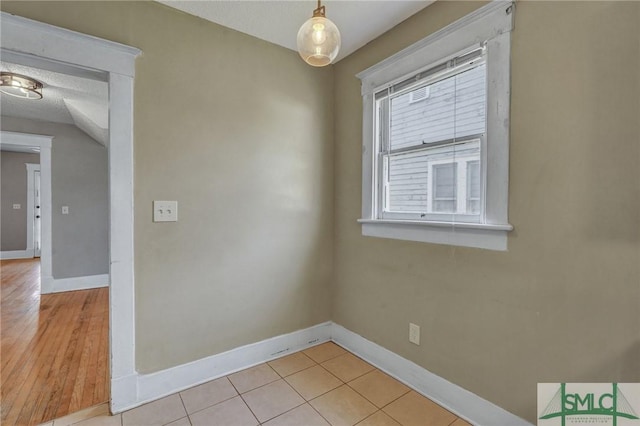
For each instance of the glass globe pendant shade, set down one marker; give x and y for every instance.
(20, 86)
(318, 40)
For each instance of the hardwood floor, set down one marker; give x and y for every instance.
(53, 349)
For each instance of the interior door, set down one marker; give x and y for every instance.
(36, 214)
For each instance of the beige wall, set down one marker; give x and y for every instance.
(248, 151)
(13, 233)
(239, 132)
(562, 303)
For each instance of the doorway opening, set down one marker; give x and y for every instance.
(33, 43)
(59, 319)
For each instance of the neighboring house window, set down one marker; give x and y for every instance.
(473, 187)
(437, 171)
(444, 191)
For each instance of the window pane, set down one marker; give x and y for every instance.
(473, 207)
(445, 177)
(473, 187)
(454, 108)
(409, 189)
(407, 182)
(444, 206)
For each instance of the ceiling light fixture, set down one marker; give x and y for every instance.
(20, 86)
(318, 39)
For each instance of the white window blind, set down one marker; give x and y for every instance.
(440, 136)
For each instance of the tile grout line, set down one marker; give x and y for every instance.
(328, 359)
(306, 402)
(283, 378)
(229, 380)
(258, 387)
(249, 408)
(285, 382)
(217, 403)
(185, 409)
(282, 414)
(295, 372)
(296, 391)
(385, 405)
(319, 413)
(357, 377)
(358, 393)
(454, 420)
(370, 415)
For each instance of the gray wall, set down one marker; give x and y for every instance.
(13, 231)
(79, 180)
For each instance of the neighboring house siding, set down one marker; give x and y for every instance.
(408, 173)
(438, 117)
(454, 108)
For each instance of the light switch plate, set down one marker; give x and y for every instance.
(165, 211)
(16, 206)
(65, 209)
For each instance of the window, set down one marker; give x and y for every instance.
(414, 137)
(436, 136)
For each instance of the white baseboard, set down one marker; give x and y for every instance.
(460, 401)
(57, 285)
(166, 382)
(138, 389)
(16, 254)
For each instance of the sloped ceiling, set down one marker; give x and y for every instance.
(67, 99)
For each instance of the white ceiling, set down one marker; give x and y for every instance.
(278, 21)
(83, 101)
(67, 99)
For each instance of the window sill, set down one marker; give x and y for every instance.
(485, 236)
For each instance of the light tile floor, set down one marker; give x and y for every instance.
(321, 386)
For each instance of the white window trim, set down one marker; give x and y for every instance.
(490, 24)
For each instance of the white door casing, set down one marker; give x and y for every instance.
(37, 228)
(34, 209)
(27, 41)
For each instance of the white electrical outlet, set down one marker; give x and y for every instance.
(16, 206)
(414, 333)
(65, 209)
(165, 211)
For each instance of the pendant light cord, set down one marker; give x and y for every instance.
(320, 11)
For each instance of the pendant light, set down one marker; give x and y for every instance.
(318, 39)
(20, 86)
